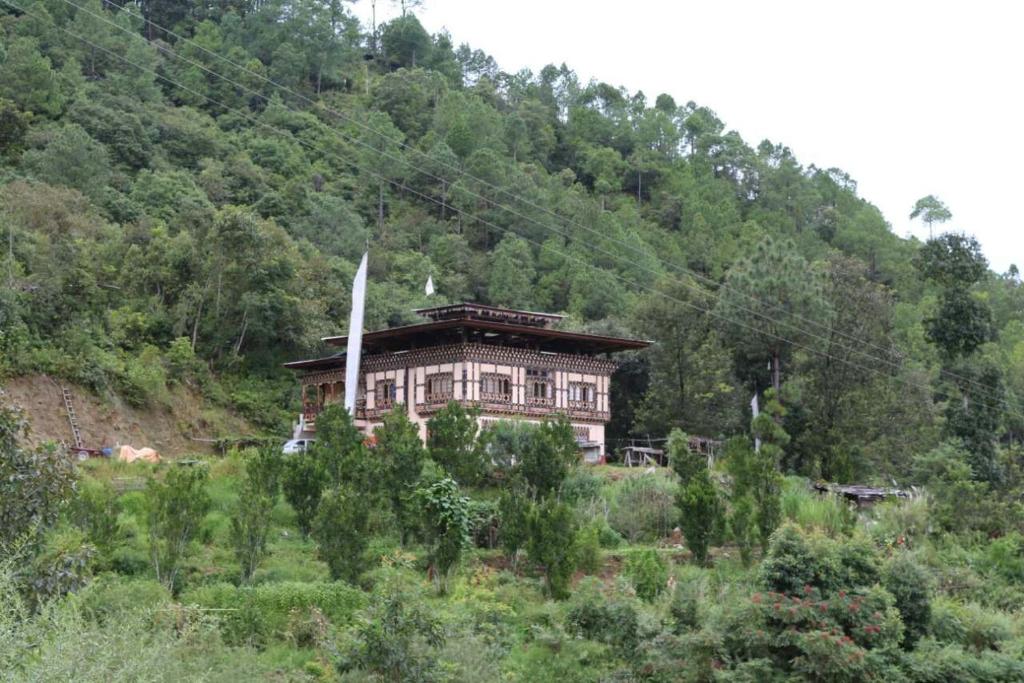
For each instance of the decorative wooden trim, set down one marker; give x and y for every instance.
(500, 355)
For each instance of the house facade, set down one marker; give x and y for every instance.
(509, 364)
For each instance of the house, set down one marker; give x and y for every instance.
(508, 363)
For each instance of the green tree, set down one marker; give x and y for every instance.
(547, 456)
(514, 512)
(177, 506)
(909, 583)
(71, 158)
(446, 518)
(250, 525)
(340, 529)
(766, 303)
(763, 479)
(511, 276)
(27, 78)
(400, 454)
(452, 443)
(931, 210)
(35, 484)
(552, 544)
(303, 482)
(701, 513)
(397, 639)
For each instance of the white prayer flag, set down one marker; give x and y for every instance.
(429, 289)
(355, 337)
(756, 412)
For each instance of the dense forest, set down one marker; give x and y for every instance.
(186, 187)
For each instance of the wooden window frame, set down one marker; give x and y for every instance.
(383, 399)
(439, 394)
(502, 387)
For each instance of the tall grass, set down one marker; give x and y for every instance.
(829, 514)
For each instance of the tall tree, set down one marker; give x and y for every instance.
(771, 301)
(931, 210)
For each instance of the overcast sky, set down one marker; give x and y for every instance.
(910, 98)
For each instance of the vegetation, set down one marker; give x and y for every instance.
(186, 189)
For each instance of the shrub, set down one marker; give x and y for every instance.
(177, 506)
(685, 606)
(596, 618)
(908, 583)
(303, 482)
(262, 613)
(250, 525)
(580, 487)
(514, 512)
(34, 484)
(552, 544)
(701, 511)
(643, 508)
(340, 530)
(445, 516)
(484, 523)
(400, 454)
(548, 456)
(110, 595)
(588, 549)
(94, 511)
(452, 443)
(647, 572)
(398, 640)
(789, 564)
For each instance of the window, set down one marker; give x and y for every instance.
(439, 387)
(386, 394)
(581, 432)
(582, 396)
(496, 388)
(540, 387)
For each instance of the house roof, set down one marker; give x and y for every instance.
(440, 332)
(476, 323)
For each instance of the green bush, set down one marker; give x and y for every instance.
(701, 513)
(588, 549)
(595, 617)
(580, 487)
(340, 530)
(647, 572)
(643, 508)
(552, 544)
(94, 511)
(262, 613)
(909, 584)
(110, 595)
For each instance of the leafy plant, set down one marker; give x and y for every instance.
(648, 573)
(452, 443)
(340, 530)
(250, 525)
(552, 544)
(446, 520)
(177, 506)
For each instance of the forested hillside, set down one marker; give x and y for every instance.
(193, 194)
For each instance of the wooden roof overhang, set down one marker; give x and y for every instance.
(440, 332)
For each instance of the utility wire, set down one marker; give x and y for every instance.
(399, 185)
(717, 286)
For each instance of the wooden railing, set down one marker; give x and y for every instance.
(582, 405)
(495, 397)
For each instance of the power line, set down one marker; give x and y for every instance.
(462, 212)
(461, 172)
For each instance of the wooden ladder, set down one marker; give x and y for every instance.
(72, 418)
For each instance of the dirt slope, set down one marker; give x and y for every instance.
(106, 421)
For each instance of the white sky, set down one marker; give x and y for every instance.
(908, 97)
